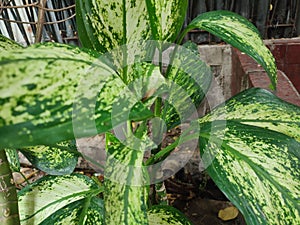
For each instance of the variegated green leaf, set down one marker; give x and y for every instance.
(13, 159)
(240, 33)
(166, 215)
(87, 211)
(255, 160)
(56, 160)
(260, 108)
(147, 80)
(70, 214)
(7, 44)
(166, 18)
(119, 28)
(43, 198)
(125, 196)
(190, 74)
(106, 25)
(52, 90)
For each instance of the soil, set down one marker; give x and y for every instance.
(199, 199)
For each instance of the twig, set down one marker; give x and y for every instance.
(19, 6)
(58, 10)
(60, 21)
(15, 21)
(40, 22)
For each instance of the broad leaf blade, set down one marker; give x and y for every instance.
(119, 28)
(260, 108)
(71, 214)
(56, 160)
(124, 184)
(106, 25)
(166, 215)
(193, 76)
(255, 161)
(166, 18)
(240, 33)
(44, 197)
(7, 44)
(49, 86)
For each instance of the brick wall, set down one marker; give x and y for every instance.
(287, 56)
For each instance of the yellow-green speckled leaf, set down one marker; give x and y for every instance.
(7, 44)
(91, 211)
(48, 87)
(125, 200)
(13, 159)
(166, 18)
(166, 215)
(111, 27)
(193, 77)
(60, 159)
(252, 151)
(260, 108)
(43, 198)
(240, 33)
(106, 25)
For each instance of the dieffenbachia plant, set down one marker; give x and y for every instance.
(52, 94)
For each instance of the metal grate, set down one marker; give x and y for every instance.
(32, 21)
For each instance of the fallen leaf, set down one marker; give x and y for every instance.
(228, 213)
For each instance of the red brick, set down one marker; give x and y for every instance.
(285, 89)
(287, 55)
(293, 54)
(279, 53)
(293, 72)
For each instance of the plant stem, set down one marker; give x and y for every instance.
(9, 212)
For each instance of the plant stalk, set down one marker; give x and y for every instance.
(9, 212)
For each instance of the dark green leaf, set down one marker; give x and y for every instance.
(240, 33)
(166, 215)
(43, 198)
(57, 160)
(72, 213)
(251, 148)
(7, 44)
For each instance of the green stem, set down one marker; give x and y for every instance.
(188, 135)
(9, 212)
(158, 101)
(162, 154)
(157, 107)
(125, 50)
